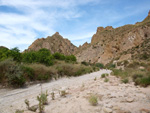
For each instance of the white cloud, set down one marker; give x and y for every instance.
(37, 16)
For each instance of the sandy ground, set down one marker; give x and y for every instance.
(113, 96)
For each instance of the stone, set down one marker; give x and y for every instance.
(145, 110)
(107, 110)
(129, 100)
(122, 111)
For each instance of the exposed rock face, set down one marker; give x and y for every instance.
(54, 43)
(109, 43)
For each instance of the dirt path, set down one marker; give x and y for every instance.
(112, 96)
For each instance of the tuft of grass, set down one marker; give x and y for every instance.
(106, 80)
(53, 96)
(125, 80)
(63, 93)
(19, 111)
(104, 75)
(95, 79)
(93, 100)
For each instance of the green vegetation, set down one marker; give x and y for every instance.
(100, 65)
(32, 108)
(104, 75)
(125, 80)
(53, 96)
(93, 100)
(18, 68)
(106, 80)
(63, 93)
(132, 71)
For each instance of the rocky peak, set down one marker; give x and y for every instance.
(57, 33)
(54, 43)
(149, 13)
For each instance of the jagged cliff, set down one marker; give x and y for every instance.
(109, 43)
(54, 43)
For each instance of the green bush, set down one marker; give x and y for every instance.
(106, 80)
(100, 65)
(125, 80)
(93, 100)
(145, 81)
(42, 72)
(85, 63)
(15, 76)
(28, 72)
(59, 56)
(104, 75)
(70, 58)
(11, 73)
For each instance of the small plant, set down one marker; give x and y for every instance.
(53, 95)
(63, 93)
(27, 103)
(93, 100)
(32, 108)
(125, 80)
(95, 79)
(41, 105)
(106, 80)
(104, 75)
(44, 98)
(19, 111)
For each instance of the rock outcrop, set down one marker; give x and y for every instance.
(54, 43)
(109, 43)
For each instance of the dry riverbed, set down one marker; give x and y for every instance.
(113, 96)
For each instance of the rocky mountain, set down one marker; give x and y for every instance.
(124, 42)
(107, 44)
(54, 43)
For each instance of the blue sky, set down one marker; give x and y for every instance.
(23, 21)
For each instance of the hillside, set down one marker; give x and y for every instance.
(54, 43)
(109, 43)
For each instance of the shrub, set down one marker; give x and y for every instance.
(120, 73)
(104, 75)
(70, 58)
(15, 76)
(28, 73)
(145, 81)
(110, 66)
(125, 80)
(63, 93)
(106, 80)
(42, 72)
(53, 95)
(100, 65)
(41, 105)
(19, 111)
(85, 63)
(93, 100)
(135, 76)
(59, 56)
